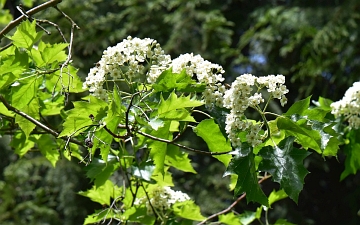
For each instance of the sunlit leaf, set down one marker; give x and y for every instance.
(299, 107)
(99, 215)
(276, 196)
(21, 144)
(210, 132)
(188, 210)
(48, 148)
(31, 109)
(78, 117)
(25, 35)
(178, 159)
(169, 81)
(158, 148)
(103, 193)
(229, 219)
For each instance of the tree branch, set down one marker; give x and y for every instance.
(228, 209)
(180, 145)
(37, 123)
(32, 11)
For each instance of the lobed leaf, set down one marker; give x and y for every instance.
(352, 162)
(247, 181)
(285, 163)
(25, 35)
(178, 159)
(158, 149)
(210, 132)
(99, 170)
(169, 81)
(188, 210)
(103, 193)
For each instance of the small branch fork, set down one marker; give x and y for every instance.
(228, 209)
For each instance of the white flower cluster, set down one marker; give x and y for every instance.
(349, 106)
(205, 72)
(134, 57)
(240, 97)
(162, 198)
(127, 60)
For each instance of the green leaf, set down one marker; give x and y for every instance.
(173, 108)
(139, 214)
(229, 219)
(25, 35)
(323, 103)
(285, 163)
(155, 123)
(210, 132)
(298, 107)
(276, 196)
(99, 171)
(174, 102)
(352, 151)
(311, 134)
(78, 117)
(159, 149)
(104, 138)
(99, 215)
(178, 159)
(48, 148)
(247, 181)
(23, 94)
(31, 109)
(169, 81)
(21, 144)
(247, 217)
(188, 210)
(117, 109)
(103, 194)
(67, 80)
(4, 111)
(143, 171)
(54, 53)
(50, 106)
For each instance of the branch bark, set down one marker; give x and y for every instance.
(228, 209)
(32, 11)
(36, 122)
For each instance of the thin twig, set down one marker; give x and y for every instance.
(228, 209)
(180, 145)
(22, 11)
(32, 11)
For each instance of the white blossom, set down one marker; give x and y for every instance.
(241, 96)
(205, 72)
(162, 198)
(128, 60)
(349, 106)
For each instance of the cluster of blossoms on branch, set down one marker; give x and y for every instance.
(241, 96)
(161, 199)
(133, 58)
(127, 60)
(349, 106)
